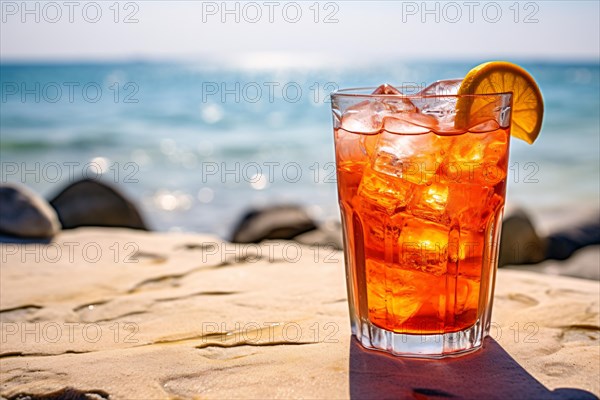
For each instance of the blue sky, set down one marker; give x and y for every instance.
(300, 33)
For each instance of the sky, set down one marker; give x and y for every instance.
(303, 33)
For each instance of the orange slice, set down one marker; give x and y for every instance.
(503, 77)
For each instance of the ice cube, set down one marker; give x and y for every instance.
(467, 295)
(480, 147)
(442, 108)
(399, 105)
(385, 161)
(368, 144)
(409, 291)
(365, 117)
(414, 158)
(429, 202)
(376, 228)
(423, 245)
(395, 104)
(349, 147)
(386, 88)
(410, 123)
(476, 158)
(468, 205)
(384, 191)
(394, 295)
(442, 88)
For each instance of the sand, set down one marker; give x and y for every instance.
(135, 315)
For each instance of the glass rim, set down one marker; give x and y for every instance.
(353, 93)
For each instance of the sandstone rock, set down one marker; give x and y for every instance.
(25, 214)
(276, 222)
(187, 316)
(93, 203)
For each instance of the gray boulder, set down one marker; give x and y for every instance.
(93, 203)
(275, 222)
(25, 214)
(519, 241)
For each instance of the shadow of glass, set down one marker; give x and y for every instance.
(490, 373)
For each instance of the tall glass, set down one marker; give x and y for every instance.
(421, 184)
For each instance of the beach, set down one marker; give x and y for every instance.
(120, 313)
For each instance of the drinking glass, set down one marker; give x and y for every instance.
(421, 186)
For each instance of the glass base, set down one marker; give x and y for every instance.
(421, 346)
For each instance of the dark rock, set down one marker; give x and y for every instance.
(93, 203)
(519, 241)
(564, 243)
(276, 222)
(25, 214)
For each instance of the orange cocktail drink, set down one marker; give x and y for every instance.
(421, 183)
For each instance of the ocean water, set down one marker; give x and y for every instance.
(196, 145)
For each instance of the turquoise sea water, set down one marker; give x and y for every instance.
(196, 146)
